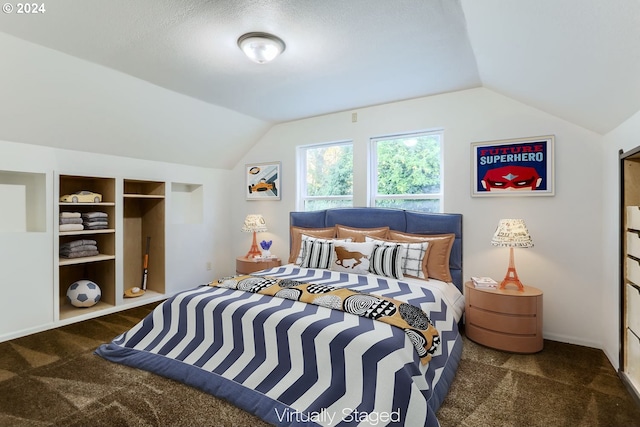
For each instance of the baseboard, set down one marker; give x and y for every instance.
(28, 331)
(633, 391)
(572, 340)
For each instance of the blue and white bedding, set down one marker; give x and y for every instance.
(293, 363)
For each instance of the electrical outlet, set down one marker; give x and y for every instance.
(208, 266)
(354, 117)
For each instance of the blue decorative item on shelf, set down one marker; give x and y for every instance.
(265, 248)
(266, 245)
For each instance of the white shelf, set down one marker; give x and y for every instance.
(149, 296)
(68, 311)
(143, 196)
(84, 260)
(85, 232)
(86, 204)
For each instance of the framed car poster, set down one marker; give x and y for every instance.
(262, 181)
(513, 167)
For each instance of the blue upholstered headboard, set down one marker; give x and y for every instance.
(396, 219)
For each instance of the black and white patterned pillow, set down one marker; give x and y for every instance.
(314, 239)
(413, 256)
(316, 254)
(413, 260)
(386, 261)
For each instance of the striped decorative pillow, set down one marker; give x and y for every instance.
(298, 260)
(386, 261)
(414, 257)
(317, 253)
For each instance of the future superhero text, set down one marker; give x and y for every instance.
(510, 154)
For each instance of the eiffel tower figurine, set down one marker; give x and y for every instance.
(512, 275)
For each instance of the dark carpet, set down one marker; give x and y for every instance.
(54, 379)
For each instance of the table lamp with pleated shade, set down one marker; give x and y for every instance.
(254, 223)
(512, 233)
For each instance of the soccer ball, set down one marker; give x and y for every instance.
(83, 293)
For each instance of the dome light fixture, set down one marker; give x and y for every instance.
(261, 47)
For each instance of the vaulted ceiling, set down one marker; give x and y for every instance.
(576, 59)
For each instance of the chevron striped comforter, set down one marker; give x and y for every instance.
(296, 364)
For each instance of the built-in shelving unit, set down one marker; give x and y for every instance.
(101, 268)
(630, 271)
(143, 215)
(139, 202)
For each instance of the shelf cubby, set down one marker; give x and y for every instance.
(23, 201)
(101, 272)
(186, 203)
(144, 216)
(100, 269)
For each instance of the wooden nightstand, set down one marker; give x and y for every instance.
(250, 265)
(504, 319)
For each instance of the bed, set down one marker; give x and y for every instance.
(360, 327)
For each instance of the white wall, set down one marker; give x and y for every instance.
(625, 137)
(56, 100)
(26, 259)
(566, 228)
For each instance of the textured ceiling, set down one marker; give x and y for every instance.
(339, 54)
(576, 59)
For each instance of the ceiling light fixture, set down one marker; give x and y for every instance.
(261, 47)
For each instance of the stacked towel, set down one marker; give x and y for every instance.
(79, 248)
(70, 221)
(95, 220)
(69, 214)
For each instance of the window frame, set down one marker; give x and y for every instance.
(373, 169)
(302, 173)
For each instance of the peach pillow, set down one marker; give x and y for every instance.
(358, 234)
(439, 254)
(296, 238)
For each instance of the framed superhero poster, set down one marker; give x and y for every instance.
(513, 167)
(262, 181)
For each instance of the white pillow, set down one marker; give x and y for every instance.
(352, 257)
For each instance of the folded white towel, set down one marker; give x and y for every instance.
(69, 214)
(71, 227)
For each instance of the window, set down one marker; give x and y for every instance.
(328, 172)
(406, 171)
